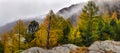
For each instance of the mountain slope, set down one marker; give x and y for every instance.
(73, 11)
(10, 26)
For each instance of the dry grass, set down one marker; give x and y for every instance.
(109, 52)
(80, 50)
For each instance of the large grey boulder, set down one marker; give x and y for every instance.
(35, 50)
(52, 51)
(104, 46)
(65, 48)
(70, 46)
(59, 49)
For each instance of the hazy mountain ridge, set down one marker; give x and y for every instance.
(10, 25)
(73, 11)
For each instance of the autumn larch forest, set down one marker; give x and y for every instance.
(55, 30)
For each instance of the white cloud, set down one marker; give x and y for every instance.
(11, 10)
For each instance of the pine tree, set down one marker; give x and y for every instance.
(57, 26)
(20, 30)
(47, 25)
(66, 32)
(88, 19)
(1, 47)
(4, 41)
(106, 17)
(32, 28)
(114, 15)
(117, 32)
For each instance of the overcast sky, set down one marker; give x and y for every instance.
(11, 10)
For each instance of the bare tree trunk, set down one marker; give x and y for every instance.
(19, 34)
(4, 46)
(48, 35)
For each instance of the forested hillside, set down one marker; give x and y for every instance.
(56, 30)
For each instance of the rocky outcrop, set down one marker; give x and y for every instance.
(97, 47)
(35, 50)
(105, 46)
(60, 49)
